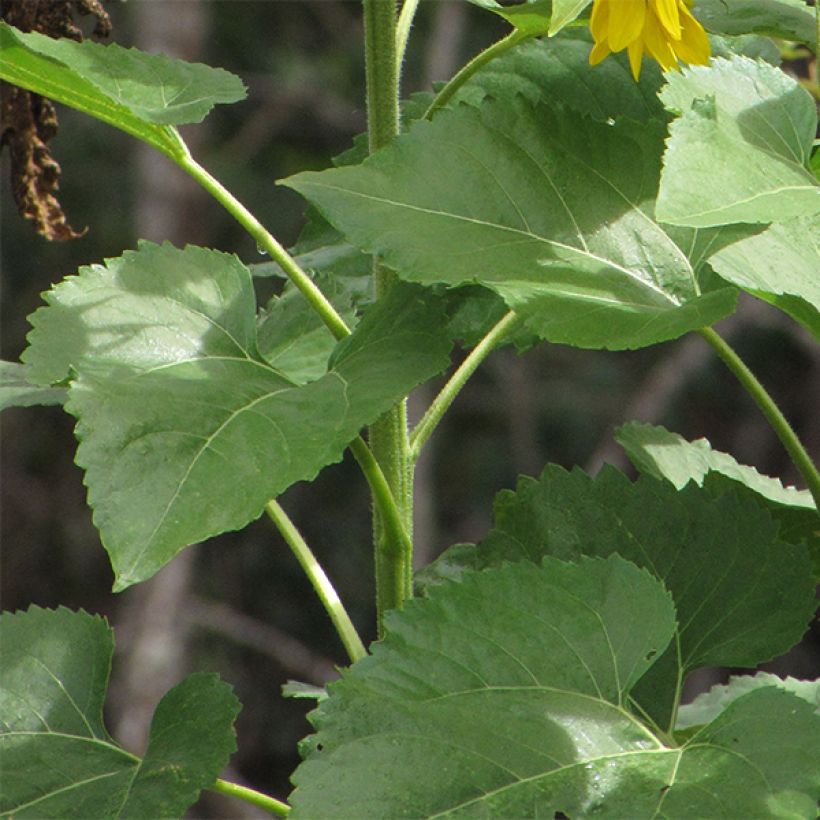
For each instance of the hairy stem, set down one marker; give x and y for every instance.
(388, 436)
(255, 798)
(448, 393)
(794, 447)
(268, 243)
(446, 94)
(321, 583)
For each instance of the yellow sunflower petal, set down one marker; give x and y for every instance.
(626, 25)
(667, 14)
(599, 52)
(694, 45)
(656, 41)
(635, 58)
(599, 20)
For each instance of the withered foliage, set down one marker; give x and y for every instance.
(28, 121)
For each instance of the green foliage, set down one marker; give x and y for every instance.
(551, 210)
(17, 391)
(569, 515)
(788, 19)
(185, 430)
(505, 695)
(739, 150)
(541, 672)
(56, 756)
(143, 94)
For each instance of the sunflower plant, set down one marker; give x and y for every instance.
(608, 175)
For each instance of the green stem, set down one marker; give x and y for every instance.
(770, 410)
(408, 12)
(388, 436)
(446, 94)
(448, 393)
(321, 583)
(268, 243)
(255, 798)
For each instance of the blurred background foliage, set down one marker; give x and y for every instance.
(239, 604)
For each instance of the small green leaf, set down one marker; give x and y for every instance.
(731, 549)
(500, 196)
(708, 705)
(56, 756)
(657, 452)
(185, 430)
(786, 19)
(660, 453)
(503, 695)
(565, 12)
(739, 150)
(530, 17)
(17, 391)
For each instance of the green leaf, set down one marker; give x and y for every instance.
(292, 337)
(559, 69)
(57, 758)
(551, 210)
(565, 12)
(489, 696)
(779, 265)
(786, 19)
(739, 150)
(185, 431)
(530, 17)
(17, 391)
(24, 67)
(503, 695)
(731, 549)
(708, 705)
(659, 453)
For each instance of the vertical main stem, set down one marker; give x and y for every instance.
(388, 436)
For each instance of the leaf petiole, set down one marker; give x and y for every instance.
(319, 580)
(255, 798)
(445, 398)
(265, 240)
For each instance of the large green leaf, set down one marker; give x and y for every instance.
(503, 695)
(706, 550)
(57, 758)
(551, 210)
(185, 431)
(740, 148)
(779, 265)
(787, 19)
(17, 391)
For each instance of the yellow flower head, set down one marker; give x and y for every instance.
(665, 29)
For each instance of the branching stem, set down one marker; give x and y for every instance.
(408, 12)
(318, 578)
(448, 393)
(794, 447)
(255, 798)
